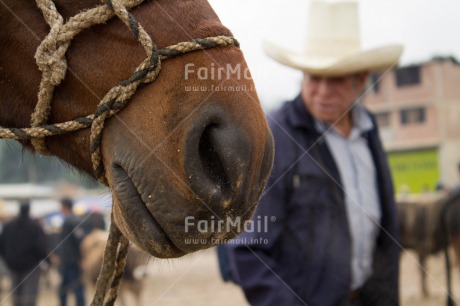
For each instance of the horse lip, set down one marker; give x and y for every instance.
(134, 212)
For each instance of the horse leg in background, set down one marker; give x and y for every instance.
(132, 285)
(137, 291)
(122, 298)
(456, 246)
(423, 272)
(135, 288)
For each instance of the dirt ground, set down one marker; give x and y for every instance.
(195, 281)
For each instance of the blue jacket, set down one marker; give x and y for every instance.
(304, 257)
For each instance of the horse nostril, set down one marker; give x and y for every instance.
(210, 158)
(217, 156)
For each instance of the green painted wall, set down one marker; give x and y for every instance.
(416, 170)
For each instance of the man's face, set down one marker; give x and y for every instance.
(329, 98)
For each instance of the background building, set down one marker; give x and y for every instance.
(418, 111)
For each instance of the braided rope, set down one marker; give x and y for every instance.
(50, 58)
(119, 270)
(50, 55)
(146, 72)
(51, 62)
(108, 265)
(85, 122)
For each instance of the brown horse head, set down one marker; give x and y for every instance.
(189, 150)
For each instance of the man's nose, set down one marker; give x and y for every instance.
(324, 86)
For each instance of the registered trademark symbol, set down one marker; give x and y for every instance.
(273, 218)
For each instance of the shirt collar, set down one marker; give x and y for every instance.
(359, 116)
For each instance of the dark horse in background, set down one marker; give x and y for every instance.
(170, 153)
(429, 227)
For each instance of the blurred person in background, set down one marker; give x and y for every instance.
(70, 255)
(23, 245)
(332, 236)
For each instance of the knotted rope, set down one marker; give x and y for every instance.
(50, 55)
(112, 268)
(50, 58)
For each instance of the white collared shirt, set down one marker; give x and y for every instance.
(358, 176)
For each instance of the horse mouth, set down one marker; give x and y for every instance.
(134, 219)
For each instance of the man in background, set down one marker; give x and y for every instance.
(70, 255)
(333, 236)
(23, 245)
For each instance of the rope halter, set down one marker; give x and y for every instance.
(50, 58)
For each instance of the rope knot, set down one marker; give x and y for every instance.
(51, 61)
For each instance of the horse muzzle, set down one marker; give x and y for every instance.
(203, 200)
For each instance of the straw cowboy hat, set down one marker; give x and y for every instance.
(333, 46)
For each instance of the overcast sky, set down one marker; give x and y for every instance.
(424, 27)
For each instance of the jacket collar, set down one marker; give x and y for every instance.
(298, 115)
